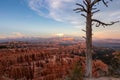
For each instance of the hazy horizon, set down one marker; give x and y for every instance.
(48, 18)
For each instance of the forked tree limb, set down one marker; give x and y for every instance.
(97, 1)
(105, 3)
(94, 2)
(81, 8)
(88, 1)
(99, 23)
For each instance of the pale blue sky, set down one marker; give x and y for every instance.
(47, 18)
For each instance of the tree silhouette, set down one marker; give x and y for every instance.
(87, 9)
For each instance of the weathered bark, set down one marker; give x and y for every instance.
(89, 9)
(89, 43)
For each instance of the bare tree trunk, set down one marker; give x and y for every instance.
(89, 44)
(88, 7)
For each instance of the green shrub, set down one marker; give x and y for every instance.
(76, 73)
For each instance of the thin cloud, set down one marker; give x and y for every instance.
(13, 35)
(108, 16)
(62, 11)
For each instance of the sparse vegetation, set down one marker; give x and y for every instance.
(53, 62)
(76, 73)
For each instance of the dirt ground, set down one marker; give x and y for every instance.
(104, 78)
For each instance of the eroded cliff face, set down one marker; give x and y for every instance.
(46, 63)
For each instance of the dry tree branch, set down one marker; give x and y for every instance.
(83, 15)
(84, 37)
(85, 3)
(99, 23)
(95, 11)
(95, 1)
(94, 8)
(82, 8)
(88, 1)
(104, 2)
(83, 30)
(79, 10)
